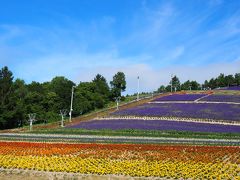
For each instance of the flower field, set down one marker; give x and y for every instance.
(152, 156)
(185, 110)
(222, 98)
(156, 125)
(234, 88)
(167, 161)
(180, 97)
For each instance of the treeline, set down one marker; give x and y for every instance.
(19, 99)
(213, 83)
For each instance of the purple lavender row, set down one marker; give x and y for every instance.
(156, 125)
(186, 110)
(180, 97)
(235, 88)
(222, 98)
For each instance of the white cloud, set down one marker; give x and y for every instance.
(76, 66)
(151, 79)
(83, 67)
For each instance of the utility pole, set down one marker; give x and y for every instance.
(138, 89)
(171, 83)
(71, 109)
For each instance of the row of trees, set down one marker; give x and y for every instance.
(223, 81)
(220, 81)
(19, 99)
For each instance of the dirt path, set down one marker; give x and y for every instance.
(16, 174)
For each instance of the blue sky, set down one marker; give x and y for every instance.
(194, 39)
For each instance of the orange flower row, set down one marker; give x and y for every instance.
(175, 161)
(125, 151)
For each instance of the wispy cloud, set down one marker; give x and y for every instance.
(151, 78)
(191, 39)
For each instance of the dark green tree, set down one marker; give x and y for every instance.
(175, 83)
(34, 104)
(118, 85)
(161, 89)
(102, 87)
(237, 78)
(195, 85)
(18, 103)
(168, 88)
(212, 83)
(229, 80)
(186, 85)
(63, 88)
(6, 82)
(84, 98)
(36, 87)
(206, 84)
(6, 90)
(220, 81)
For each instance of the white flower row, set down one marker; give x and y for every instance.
(96, 137)
(197, 120)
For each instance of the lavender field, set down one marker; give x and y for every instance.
(180, 97)
(118, 124)
(222, 98)
(234, 88)
(186, 110)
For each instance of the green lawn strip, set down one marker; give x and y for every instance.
(226, 92)
(118, 141)
(143, 133)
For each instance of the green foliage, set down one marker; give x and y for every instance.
(91, 95)
(161, 89)
(118, 85)
(63, 88)
(47, 99)
(6, 92)
(237, 79)
(176, 83)
(220, 81)
(223, 81)
(6, 82)
(190, 85)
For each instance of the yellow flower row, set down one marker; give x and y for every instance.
(136, 167)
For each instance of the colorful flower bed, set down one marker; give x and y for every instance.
(186, 110)
(156, 125)
(180, 97)
(166, 161)
(222, 98)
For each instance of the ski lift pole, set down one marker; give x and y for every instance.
(31, 119)
(63, 113)
(71, 109)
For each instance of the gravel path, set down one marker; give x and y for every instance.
(202, 97)
(16, 174)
